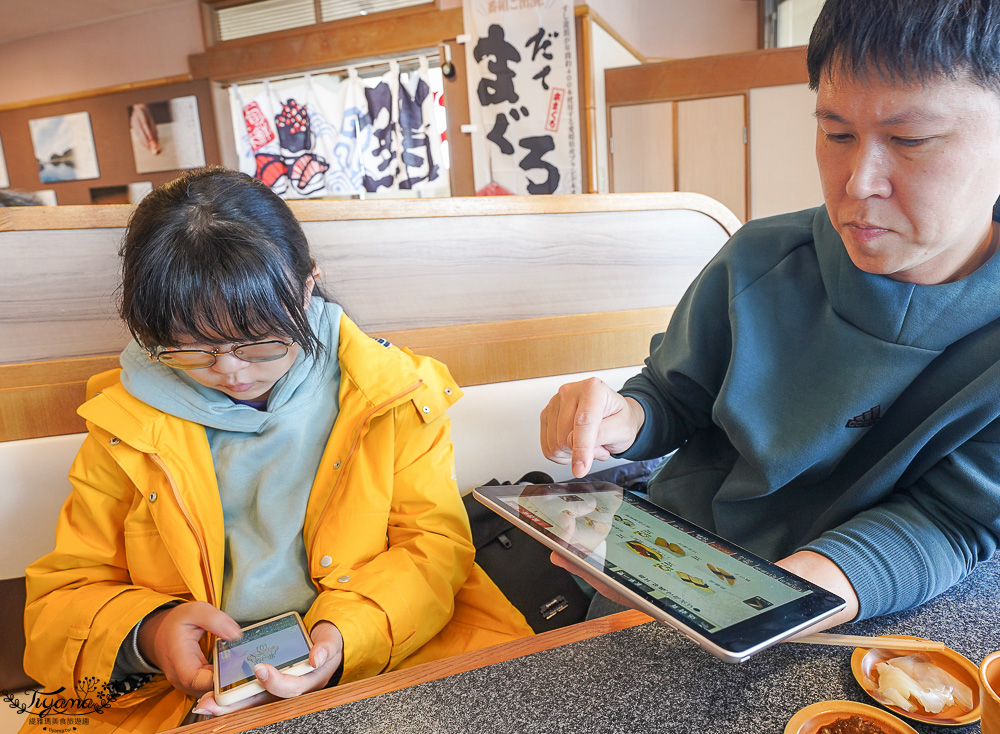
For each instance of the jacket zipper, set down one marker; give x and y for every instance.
(205, 569)
(357, 439)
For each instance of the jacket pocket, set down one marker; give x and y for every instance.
(149, 562)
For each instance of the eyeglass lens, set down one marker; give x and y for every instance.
(197, 358)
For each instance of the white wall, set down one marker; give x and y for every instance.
(673, 29)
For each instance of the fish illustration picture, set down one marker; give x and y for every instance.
(272, 171)
(307, 173)
(293, 125)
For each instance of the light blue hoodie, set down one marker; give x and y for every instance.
(265, 463)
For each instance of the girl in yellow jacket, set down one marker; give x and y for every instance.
(256, 454)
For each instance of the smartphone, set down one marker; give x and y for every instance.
(726, 599)
(281, 641)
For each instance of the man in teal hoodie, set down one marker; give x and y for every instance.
(831, 380)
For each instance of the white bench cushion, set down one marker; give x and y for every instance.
(494, 429)
(34, 488)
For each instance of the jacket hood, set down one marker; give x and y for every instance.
(383, 373)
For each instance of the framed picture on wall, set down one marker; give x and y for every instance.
(64, 147)
(166, 135)
(4, 179)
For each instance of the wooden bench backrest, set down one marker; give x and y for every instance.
(497, 288)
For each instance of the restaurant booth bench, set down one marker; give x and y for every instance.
(517, 295)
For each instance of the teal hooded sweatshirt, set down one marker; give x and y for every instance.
(815, 406)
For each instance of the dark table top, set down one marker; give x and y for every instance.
(649, 678)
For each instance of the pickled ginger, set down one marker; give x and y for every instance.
(913, 680)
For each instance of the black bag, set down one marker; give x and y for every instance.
(548, 596)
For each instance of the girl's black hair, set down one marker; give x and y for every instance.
(217, 257)
(907, 40)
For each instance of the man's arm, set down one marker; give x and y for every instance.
(823, 572)
(922, 539)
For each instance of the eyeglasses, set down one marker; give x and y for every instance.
(196, 359)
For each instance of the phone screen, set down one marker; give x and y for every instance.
(280, 642)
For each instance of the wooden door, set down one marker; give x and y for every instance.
(641, 148)
(783, 172)
(712, 151)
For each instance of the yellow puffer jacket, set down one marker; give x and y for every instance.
(387, 538)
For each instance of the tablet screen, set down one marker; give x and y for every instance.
(709, 584)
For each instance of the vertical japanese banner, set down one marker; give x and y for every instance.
(521, 59)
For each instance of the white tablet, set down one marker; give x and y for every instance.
(731, 602)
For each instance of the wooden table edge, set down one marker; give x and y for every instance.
(241, 721)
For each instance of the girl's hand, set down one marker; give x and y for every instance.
(325, 656)
(169, 639)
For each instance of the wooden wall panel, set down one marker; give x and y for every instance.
(41, 398)
(456, 102)
(479, 354)
(463, 261)
(328, 45)
(710, 76)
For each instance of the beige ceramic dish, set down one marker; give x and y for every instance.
(863, 666)
(809, 719)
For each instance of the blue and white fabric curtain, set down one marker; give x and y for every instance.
(342, 136)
